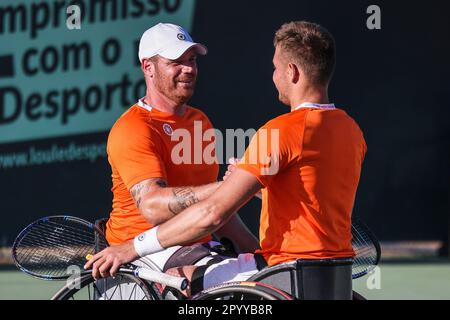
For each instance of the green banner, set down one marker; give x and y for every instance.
(57, 81)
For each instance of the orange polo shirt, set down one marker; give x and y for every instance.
(140, 147)
(310, 183)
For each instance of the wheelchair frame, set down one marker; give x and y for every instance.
(300, 280)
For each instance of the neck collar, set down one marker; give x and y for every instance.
(142, 104)
(325, 106)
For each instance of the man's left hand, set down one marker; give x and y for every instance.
(107, 262)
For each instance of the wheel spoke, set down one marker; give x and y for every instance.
(114, 292)
(125, 288)
(94, 285)
(120, 291)
(133, 291)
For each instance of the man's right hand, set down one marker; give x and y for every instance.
(231, 167)
(107, 262)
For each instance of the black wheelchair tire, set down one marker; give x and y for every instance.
(245, 290)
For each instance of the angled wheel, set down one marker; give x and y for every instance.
(125, 286)
(245, 290)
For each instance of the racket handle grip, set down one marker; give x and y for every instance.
(178, 283)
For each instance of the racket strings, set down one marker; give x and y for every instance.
(53, 263)
(44, 238)
(52, 266)
(364, 248)
(50, 247)
(38, 247)
(49, 233)
(77, 230)
(366, 254)
(51, 239)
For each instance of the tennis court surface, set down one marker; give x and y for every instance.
(405, 280)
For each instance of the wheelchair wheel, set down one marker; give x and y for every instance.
(125, 286)
(245, 290)
(357, 296)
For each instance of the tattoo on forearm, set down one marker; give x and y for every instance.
(140, 189)
(136, 191)
(183, 198)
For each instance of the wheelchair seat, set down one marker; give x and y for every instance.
(322, 279)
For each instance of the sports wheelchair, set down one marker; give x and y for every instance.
(326, 279)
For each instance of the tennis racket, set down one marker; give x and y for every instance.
(366, 247)
(51, 247)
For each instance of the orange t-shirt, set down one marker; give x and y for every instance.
(310, 183)
(140, 147)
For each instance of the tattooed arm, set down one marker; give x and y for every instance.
(158, 203)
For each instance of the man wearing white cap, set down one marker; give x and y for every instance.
(150, 185)
(308, 175)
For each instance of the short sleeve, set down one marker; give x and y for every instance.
(266, 155)
(134, 150)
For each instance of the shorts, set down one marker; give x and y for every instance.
(160, 258)
(228, 270)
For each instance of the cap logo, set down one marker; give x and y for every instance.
(167, 129)
(181, 36)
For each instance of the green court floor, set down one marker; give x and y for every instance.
(407, 281)
(395, 281)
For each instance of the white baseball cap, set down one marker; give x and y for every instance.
(167, 40)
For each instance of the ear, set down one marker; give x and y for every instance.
(148, 67)
(293, 73)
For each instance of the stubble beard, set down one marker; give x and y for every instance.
(169, 88)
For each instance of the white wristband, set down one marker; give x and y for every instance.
(147, 243)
